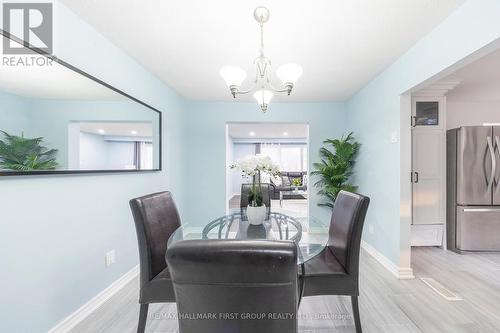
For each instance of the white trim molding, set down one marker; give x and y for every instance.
(93, 304)
(401, 273)
(440, 88)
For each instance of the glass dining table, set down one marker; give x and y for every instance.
(308, 233)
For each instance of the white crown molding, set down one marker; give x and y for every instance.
(401, 273)
(440, 88)
(93, 304)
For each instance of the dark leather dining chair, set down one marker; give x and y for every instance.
(235, 285)
(156, 218)
(335, 271)
(266, 197)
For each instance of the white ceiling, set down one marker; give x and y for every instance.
(340, 44)
(53, 81)
(479, 81)
(267, 130)
(137, 129)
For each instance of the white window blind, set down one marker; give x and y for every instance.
(290, 157)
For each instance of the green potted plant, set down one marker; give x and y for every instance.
(254, 166)
(336, 167)
(296, 182)
(21, 154)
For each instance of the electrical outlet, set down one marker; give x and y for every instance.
(370, 228)
(110, 258)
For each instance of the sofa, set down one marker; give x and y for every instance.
(284, 183)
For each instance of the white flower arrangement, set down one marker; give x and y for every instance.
(254, 166)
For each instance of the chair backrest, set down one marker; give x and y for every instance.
(156, 218)
(245, 192)
(346, 227)
(244, 199)
(250, 286)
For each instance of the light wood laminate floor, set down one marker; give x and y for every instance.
(386, 304)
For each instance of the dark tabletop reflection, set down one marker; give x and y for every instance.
(256, 232)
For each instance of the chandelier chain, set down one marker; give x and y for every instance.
(262, 39)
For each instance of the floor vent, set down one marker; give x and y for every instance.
(441, 290)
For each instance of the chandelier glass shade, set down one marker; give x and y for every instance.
(262, 87)
(289, 73)
(263, 97)
(234, 76)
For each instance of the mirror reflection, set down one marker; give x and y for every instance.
(55, 119)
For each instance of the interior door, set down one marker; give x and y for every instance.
(496, 185)
(475, 165)
(428, 162)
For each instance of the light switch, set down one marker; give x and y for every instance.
(394, 137)
(110, 258)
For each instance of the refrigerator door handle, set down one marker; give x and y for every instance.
(493, 162)
(497, 146)
(479, 210)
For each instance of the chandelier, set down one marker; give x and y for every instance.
(262, 88)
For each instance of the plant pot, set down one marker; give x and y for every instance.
(256, 215)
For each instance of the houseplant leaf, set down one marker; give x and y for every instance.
(23, 154)
(336, 168)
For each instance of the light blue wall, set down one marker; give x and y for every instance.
(55, 230)
(94, 151)
(205, 141)
(374, 112)
(14, 114)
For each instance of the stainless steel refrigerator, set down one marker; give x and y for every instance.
(473, 189)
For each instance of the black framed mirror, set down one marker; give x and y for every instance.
(58, 119)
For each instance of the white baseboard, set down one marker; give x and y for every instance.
(85, 310)
(427, 234)
(405, 273)
(402, 273)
